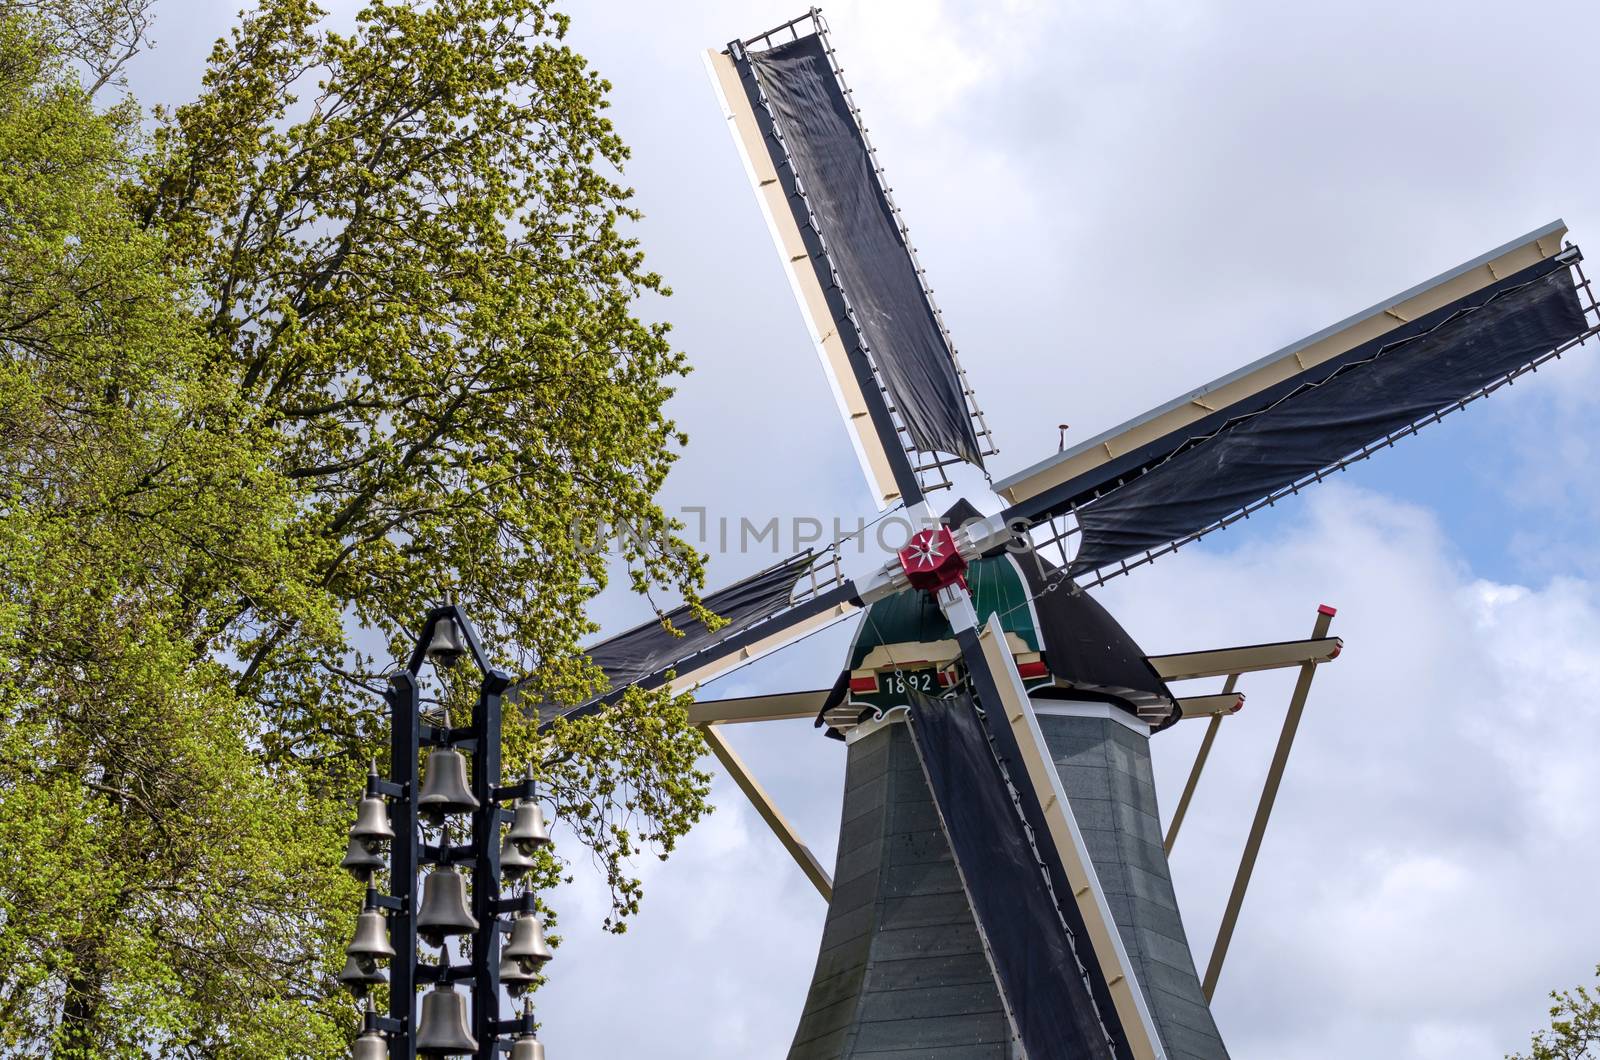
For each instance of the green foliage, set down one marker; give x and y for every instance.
(159, 881)
(352, 332)
(99, 35)
(422, 286)
(1574, 1032)
(419, 280)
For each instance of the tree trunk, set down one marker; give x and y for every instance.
(80, 1009)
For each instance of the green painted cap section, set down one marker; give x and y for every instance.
(997, 588)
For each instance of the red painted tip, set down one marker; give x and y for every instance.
(1324, 609)
(1238, 704)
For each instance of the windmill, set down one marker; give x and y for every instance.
(1001, 887)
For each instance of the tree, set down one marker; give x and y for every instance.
(291, 369)
(162, 887)
(1574, 1032)
(422, 288)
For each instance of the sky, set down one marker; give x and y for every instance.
(1117, 202)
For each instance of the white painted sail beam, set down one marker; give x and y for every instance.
(1127, 995)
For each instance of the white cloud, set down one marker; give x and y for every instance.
(1424, 880)
(716, 967)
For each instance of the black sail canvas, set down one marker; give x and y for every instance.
(1330, 414)
(864, 242)
(1056, 993)
(645, 653)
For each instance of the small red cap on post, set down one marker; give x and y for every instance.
(1324, 609)
(932, 561)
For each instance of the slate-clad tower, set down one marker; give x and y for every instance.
(902, 965)
(1103, 758)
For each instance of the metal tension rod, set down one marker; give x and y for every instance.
(769, 812)
(1194, 773)
(1269, 794)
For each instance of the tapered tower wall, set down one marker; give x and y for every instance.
(902, 972)
(1102, 755)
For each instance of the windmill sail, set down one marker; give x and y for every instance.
(1218, 452)
(882, 341)
(1047, 974)
(762, 613)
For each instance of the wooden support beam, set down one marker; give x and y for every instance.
(1199, 764)
(1214, 706)
(1269, 795)
(769, 812)
(782, 706)
(1221, 661)
(789, 634)
(1133, 1011)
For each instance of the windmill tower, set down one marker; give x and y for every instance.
(1001, 888)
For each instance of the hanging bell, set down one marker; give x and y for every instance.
(528, 828)
(514, 864)
(445, 789)
(361, 861)
(370, 1046)
(371, 943)
(372, 821)
(442, 1028)
(445, 647)
(514, 977)
(444, 907)
(527, 1047)
(360, 974)
(527, 944)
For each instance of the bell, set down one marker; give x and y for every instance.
(528, 829)
(514, 977)
(513, 862)
(371, 1046)
(442, 1028)
(444, 907)
(445, 647)
(445, 790)
(372, 938)
(527, 1047)
(360, 861)
(527, 943)
(359, 974)
(372, 821)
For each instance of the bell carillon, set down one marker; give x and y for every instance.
(449, 856)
